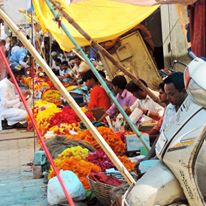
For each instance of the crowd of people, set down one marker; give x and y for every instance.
(68, 67)
(71, 69)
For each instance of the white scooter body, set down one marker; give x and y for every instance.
(181, 172)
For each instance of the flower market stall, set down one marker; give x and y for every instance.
(44, 121)
(74, 149)
(88, 151)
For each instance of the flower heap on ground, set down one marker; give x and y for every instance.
(102, 160)
(74, 159)
(77, 159)
(42, 112)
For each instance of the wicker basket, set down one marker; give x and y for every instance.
(102, 191)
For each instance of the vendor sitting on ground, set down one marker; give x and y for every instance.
(124, 97)
(98, 96)
(11, 107)
(144, 102)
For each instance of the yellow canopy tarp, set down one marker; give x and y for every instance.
(103, 20)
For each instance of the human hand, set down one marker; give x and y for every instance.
(144, 111)
(128, 110)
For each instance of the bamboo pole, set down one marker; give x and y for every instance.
(69, 99)
(99, 77)
(103, 51)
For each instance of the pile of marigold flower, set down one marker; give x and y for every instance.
(74, 159)
(114, 141)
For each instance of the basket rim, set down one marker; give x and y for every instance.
(102, 183)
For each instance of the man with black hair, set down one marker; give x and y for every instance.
(98, 96)
(175, 90)
(155, 131)
(56, 65)
(13, 45)
(144, 102)
(64, 73)
(124, 97)
(76, 61)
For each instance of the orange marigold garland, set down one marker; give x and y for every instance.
(127, 163)
(114, 141)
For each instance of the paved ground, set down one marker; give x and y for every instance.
(17, 187)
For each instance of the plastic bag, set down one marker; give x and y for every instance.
(55, 194)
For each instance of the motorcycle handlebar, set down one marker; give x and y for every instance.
(191, 55)
(179, 62)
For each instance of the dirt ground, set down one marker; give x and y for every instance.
(17, 187)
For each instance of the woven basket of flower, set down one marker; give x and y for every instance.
(102, 184)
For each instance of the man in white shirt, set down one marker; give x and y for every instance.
(76, 61)
(176, 93)
(78, 67)
(175, 90)
(11, 108)
(144, 102)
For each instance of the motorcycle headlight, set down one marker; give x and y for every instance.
(195, 81)
(198, 93)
